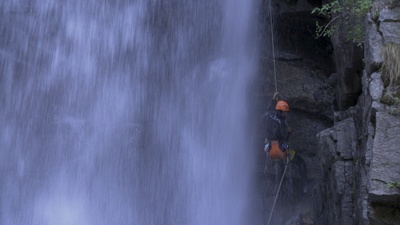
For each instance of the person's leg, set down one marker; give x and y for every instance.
(267, 145)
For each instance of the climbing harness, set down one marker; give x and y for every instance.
(275, 151)
(273, 44)
(279, 188)
(273, 117)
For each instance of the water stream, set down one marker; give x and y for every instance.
(125, 111)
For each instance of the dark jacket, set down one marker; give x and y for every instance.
(277, 128)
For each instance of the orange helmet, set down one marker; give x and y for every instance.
(282, 105)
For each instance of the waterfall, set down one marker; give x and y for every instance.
(125, 111)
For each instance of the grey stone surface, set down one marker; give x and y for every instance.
(336, 189)
(377, 106)
(389, 24)
(354, 186)
(373, 46)
(385, 166)
(339, 141)
(376, 86)
(388, 14)
(390, 32)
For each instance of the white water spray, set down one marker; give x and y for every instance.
(125, 112)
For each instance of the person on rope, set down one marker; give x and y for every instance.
(278, 131)
(276, 141)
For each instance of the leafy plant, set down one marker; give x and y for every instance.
(394, 184)
(396, 101)
(327, 10)
(347, 14)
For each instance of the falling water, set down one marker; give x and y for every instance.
(125, 112)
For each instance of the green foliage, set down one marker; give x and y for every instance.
(387, 99)
(357, 11)
(396, 101)
(375, 15)
(326, 11)
(393, 101)
(348, 14)
(394, 111)
(390, 100)
(394, 184)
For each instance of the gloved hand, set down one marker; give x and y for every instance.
(275, 96)
(266, 147)
(284, 146)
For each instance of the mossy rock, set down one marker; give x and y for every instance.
(397, 94)
(387, 99)
(394, 184)
(394, 110)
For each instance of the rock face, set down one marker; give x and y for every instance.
(348, 138)
(386, 155)
(337, 146)
(360, 155)
(303, 69)
(303, 73)
(385, 168)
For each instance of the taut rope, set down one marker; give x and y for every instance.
(272, 41)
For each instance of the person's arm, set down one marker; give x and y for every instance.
(272, 103)
(277, 96)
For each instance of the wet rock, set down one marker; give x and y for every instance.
(385, 165)
(376, 86)
(335, 191)
(373, 46)
(358, 193)
(390, 31)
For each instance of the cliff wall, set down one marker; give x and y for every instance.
(345, 111)
(360, 153)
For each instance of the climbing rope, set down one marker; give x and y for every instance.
(276, 90)
(272, 41)
(279, 188)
